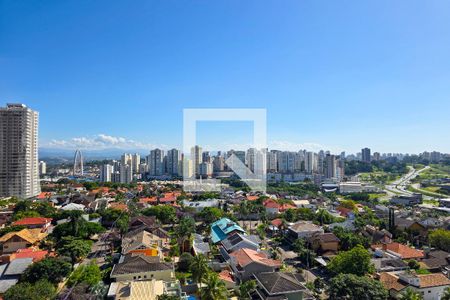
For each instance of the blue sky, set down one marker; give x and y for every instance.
(337, 75)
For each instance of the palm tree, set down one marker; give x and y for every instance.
(199, 268)
(321, 215)
(246, 288)
(446, 295)
(243, 210)
(214, 288)
(410, 294)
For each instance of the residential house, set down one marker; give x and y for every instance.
(389, 264)
(430, 286)
(239, 240)
(399, 250)
(280, 286)
(142, 242)
(199, 246)
(303, 230)
(25, 238)
(246, 262)
(142, 267)
(325, 242)
(10, 273)
(436, 261)
(222, 228)
(34, 223)
(377, 236)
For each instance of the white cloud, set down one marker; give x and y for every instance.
(104, 141)
(100, 142)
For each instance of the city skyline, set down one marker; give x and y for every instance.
(99, 82)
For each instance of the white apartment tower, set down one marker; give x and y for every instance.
(42, 168)
(19, 173)
(106, 171)
(135, 162)
(126, 168)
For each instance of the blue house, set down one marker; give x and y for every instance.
(222, 228)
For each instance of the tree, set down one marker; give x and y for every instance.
(77, 227)
(304, 254)
(350, 204)
(41, 290)
(185, 262)
(440, 238)
(446, 295)
(214, 288)
(89, 274)
(410, 294)
(349, 286)
(51, 269)
(413, 264)
(199, 268)
(348, 239)
(164, 213)
(355, 261)
(210, 214)
(246, 288)
(76, 249)
(184, 231)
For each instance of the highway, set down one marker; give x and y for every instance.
(400, 186)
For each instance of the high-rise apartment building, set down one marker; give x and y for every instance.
(126, 168)
(42, 168)
(365, 155)
(106, 171)
(331, 166)
(196, 158)
(311, 162)
(135, 162)
(173, 162)
(19, 172)
(156, 162)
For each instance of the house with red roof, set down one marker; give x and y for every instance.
(44, 195)
(146, 201)
(246, 262)
(252, 197)
(34, 223)
(399, 250)
(169, 198)
(33, 253)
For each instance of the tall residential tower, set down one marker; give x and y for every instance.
(19, 171)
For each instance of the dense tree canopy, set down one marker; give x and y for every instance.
(164, 213)
(51, 269)
(41, 290)
(89, 274)
(355, 261)
(349, 286)
(440, 238)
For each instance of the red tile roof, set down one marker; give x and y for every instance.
(36, 255)
(252, 198)
(286, 206)
(401, 250)
(148, 200)
(271, 204)
(33, 221)
(276, 222)
(44, 195)
(226, 275)
(245, 256)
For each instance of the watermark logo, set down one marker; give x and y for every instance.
(253, 174)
